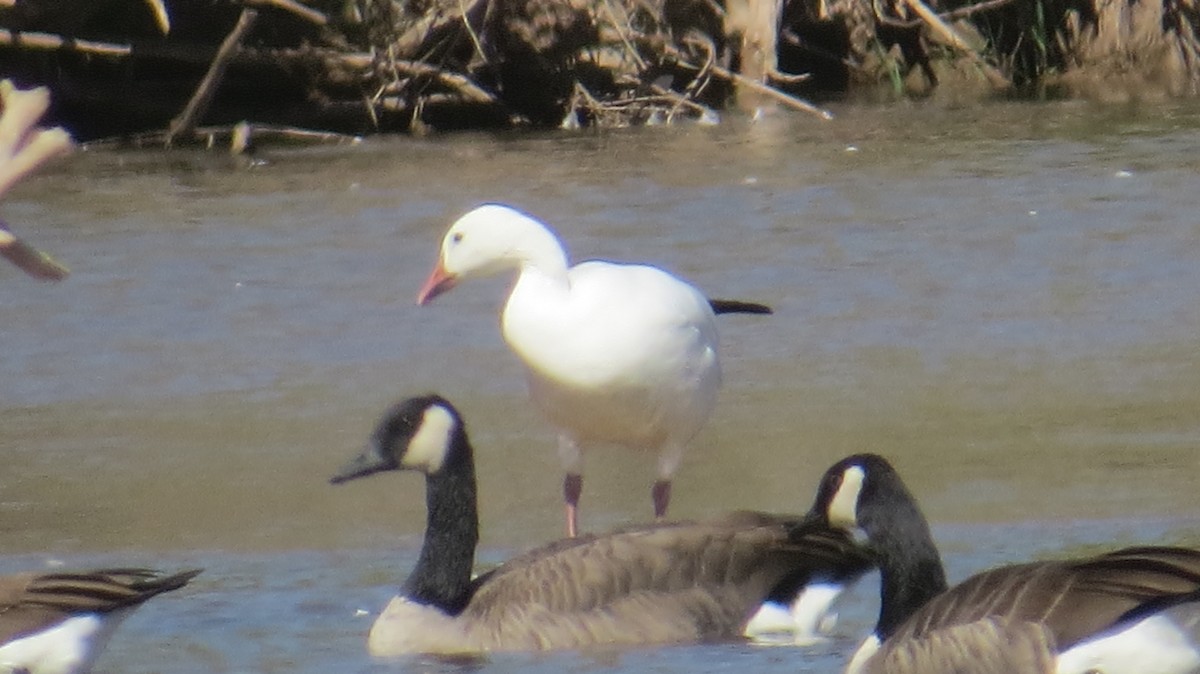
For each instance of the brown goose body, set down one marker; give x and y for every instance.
(1072, 599)
(1134, 610)
(1020, 617)
(34, 606)
(659, 583)
(679, 582)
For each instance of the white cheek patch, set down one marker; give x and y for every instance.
(427, 450)
(843, 507)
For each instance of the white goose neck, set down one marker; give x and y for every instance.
(537, 248)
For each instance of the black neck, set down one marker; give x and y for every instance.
(442, 576)
(909, 564)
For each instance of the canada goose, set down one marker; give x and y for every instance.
(58, 622)
(1134, 610)
(653, 584)
(614, 353)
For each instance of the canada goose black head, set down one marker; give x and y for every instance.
(424, 434)
(1111, 613)
(864, 496)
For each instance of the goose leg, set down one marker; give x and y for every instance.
(661, 495)
(668, 463)
(572, 462)
(572, 487)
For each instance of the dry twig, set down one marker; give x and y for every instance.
(51, 41)
(161, 18)
(462, 7)
(678, 100)
(629, 49)
(935, 23)
(307, 13)
(185, 123)
(741, 80)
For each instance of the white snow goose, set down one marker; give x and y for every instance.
(660, 583)
(1131, 611)
(622, 354)
(58, 622)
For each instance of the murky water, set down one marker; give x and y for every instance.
(1004, 301)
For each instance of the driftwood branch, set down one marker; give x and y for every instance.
(238, 137)
(161, 18)
(743, 81)
(964, 12)
(621, 32)
(51, 41)
(786, 99)
(186, 122)
(304, 12)
(678, 100)
(942, 29)
(466, 20)
(952, 15)
(460, 84)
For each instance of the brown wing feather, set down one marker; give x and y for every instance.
(1073, 599)
(988, 646)
(657, 583)
(30, 602)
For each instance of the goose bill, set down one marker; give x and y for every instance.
(439, 281)
(370, 461)
(813, 521)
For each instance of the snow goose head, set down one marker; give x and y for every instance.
(492, 239)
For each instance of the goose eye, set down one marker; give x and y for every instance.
(456, 237)
(834, 482)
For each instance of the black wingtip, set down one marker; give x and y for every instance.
(739, 307)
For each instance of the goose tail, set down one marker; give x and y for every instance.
(738, 307)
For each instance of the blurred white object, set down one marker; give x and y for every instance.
(23, 148)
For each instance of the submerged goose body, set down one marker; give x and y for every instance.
(802, 611)
(620, 354)
(1131, 611)
(59, 622)
(660, 583)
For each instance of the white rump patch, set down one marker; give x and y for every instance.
(807, 621)
(771, 624)
(843, 507)
(429, 445)
(1163, 643)
(67, 648)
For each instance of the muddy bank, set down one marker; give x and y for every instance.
(170, 67)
